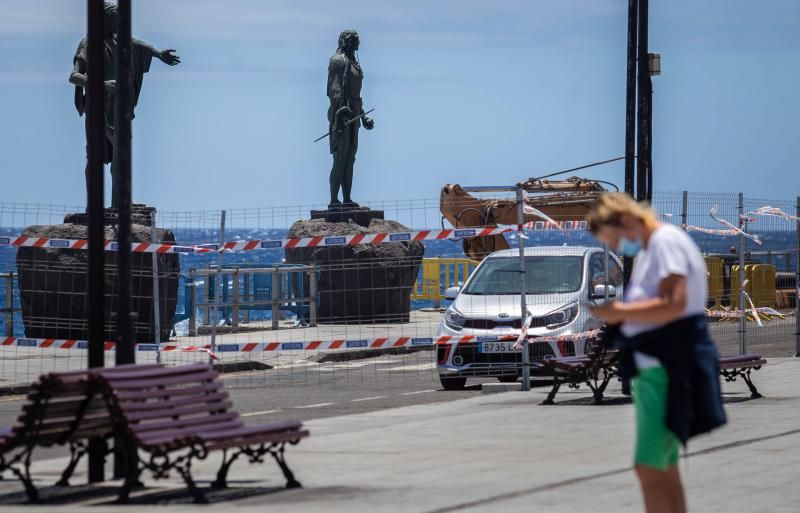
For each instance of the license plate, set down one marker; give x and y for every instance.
(497, 347)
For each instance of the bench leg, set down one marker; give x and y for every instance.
(754, 394)
(131, 482)
(598, 390)
(76, 452)
(185, 470)
(222, 474)
(553, 391)
(132, 478)
(23, 474)
(280, 458)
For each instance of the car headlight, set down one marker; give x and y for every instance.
(453, 319)
(561, 317)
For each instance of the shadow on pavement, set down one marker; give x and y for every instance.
(59, 494)
(66, 495)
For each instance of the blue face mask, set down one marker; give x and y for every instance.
(629, 248)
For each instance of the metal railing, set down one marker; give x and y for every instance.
(246, 289)
(8, 310)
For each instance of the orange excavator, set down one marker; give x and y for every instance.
(560, 200)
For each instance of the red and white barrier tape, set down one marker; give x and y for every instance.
(735, 229)
(23, 241)
(249, 245)
(295, 242)
(313, 345)
(365, 238)
(53, 343)
(763, 313)
(773, 211)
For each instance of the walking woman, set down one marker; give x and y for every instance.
(666, 350)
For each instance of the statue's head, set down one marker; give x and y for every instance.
(110, 19)
(348, 41)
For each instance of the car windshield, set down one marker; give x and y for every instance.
(543, 275)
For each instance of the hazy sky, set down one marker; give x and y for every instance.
(468, 91)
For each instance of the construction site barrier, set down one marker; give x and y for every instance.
(760, 285)
(439, 274)
(716, 280)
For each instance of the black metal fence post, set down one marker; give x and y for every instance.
(630, 118)
(122, 170)
(797, 284)
(630, 100)
(95, 132)
(125, 349)
(645, 97)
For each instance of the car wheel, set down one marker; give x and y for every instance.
(453, 383)
(507, 379)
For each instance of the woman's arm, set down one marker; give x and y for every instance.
(667, 307)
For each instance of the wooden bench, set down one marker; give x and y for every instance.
(740, 366)
(60, 409)
(598, 367)
(178, 415)
(595, 369)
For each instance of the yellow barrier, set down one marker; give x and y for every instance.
(761, 283)
(735, 285)
(439, 274)
(716, 283)
(763, 279)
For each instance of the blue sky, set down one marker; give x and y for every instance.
(468, 91)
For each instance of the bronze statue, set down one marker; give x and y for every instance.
(143, 54)
(345, 115)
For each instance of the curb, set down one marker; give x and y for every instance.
(7, 390)
(346, 356)
(246, 366)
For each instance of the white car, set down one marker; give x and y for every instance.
(560, 283)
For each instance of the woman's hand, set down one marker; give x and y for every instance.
(613, 312)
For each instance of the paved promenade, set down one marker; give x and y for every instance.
(499, 452)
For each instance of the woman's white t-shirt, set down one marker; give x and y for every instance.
(670, 250)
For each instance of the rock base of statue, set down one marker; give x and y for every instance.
(140, 214)
(52, 282)
(348, 213)
(363, 283)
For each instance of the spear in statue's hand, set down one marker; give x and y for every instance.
(345, 125)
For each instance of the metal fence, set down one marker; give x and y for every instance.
(329, 308)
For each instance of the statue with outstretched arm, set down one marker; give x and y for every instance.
(143, 54)
(344, 91)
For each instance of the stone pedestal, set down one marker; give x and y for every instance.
(362, 216)
(140, 214)
(362, 283)
(52, 282)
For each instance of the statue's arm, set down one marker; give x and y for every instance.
(78, 76)
(336, 86)
(166, 56)
(336, 76)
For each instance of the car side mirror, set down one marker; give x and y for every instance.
(600, 291)
(451, 293)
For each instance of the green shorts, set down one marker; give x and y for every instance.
(656, 446)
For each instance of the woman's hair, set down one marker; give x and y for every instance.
(610, 207)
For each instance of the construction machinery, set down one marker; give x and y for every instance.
(560, 200)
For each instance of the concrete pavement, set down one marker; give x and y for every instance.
(502, 452)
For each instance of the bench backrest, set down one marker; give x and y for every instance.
(61, 407)
(161, 405)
